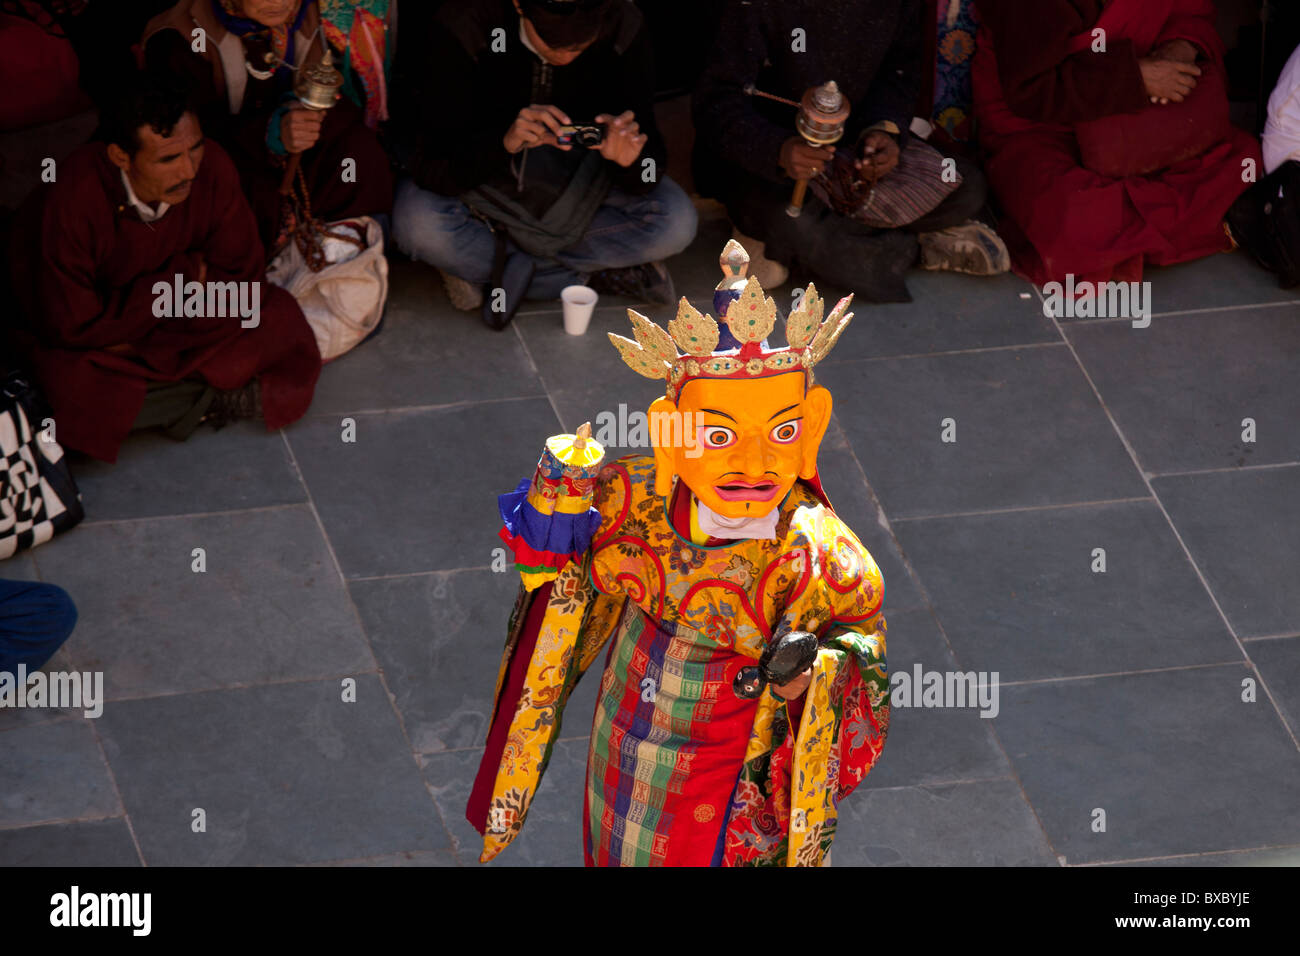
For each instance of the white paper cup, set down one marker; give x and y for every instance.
(579, 302)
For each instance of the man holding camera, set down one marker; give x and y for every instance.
(532, 161)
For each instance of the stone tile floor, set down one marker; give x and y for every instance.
(328, 560)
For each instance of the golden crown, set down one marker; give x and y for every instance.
(689, 349)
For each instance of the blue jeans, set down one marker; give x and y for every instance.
(627, 230)
(34, 620)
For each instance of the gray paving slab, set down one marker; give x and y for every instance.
(1178, 762)
(587, 379)
(411, 858)
(1283, 856)
(1182, 389)
(947, 313)
(417, 490)
(54, 771)
(427, 353)
(439, 639)
(1241, 530)
(241, 466)
(1278, 662)
(11, 717)
(1028, 430)
(552, 832)
(986, 823)
(851, 496)
(270, 605)
(930, 745)
(1017, 592)
(93, 843)
(286, 774)
(1216, 282)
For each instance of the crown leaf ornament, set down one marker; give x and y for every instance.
(690, 347)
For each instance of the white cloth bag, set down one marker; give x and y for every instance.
(345, 300)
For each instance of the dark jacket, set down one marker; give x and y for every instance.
(870, 48)
(454, 97)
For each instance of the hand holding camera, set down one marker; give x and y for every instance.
(536, 125)
(623, 140)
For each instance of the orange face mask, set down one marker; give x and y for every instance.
(740, 444)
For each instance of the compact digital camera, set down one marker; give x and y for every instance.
(581, 135)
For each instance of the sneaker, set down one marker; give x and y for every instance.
(648, 282)
(769, 273)
(973, 248)
(464, 295)
(234, 405)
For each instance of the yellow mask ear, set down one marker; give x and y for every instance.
(665, 466)
(816, 418)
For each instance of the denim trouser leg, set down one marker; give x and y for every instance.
(35, 619)
(441, 231)
(627, 230)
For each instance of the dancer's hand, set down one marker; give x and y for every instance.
(623, 140)
(796, 687)
(879, 156)
(1168, 80)
(801, 161)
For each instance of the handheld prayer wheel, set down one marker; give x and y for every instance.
(316, 89)
(822, 113)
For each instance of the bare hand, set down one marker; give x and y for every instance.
(300, 128)
(536, 125)
(879, 156)
(801, 161)
(796, 687)
(1168, 80)
(1180, 51)
(623, 140)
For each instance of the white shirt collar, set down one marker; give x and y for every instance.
(523, 36)
(146, 214)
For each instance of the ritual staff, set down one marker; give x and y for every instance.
(90, 253)
(1106, 128)
(744, 693)
(245, 69)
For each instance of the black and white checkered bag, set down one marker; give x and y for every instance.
(38, 497)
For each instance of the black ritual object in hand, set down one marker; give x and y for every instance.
(788, 655)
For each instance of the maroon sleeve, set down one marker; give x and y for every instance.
(1193, 20)
(1043, 81)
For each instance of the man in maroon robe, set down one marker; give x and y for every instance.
(1038, 75)
(100, 255)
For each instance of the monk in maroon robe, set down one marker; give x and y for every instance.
(1039, 73)
(98, 256)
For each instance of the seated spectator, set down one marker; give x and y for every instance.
(1085, 109)
(245, 98)
(480, 96)
(103, 265)
(748, 155)
(35, 619)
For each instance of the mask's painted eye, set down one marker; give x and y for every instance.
(787, 432)
(716, 436)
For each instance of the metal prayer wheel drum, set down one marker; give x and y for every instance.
(822, 113)
(318, 88)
